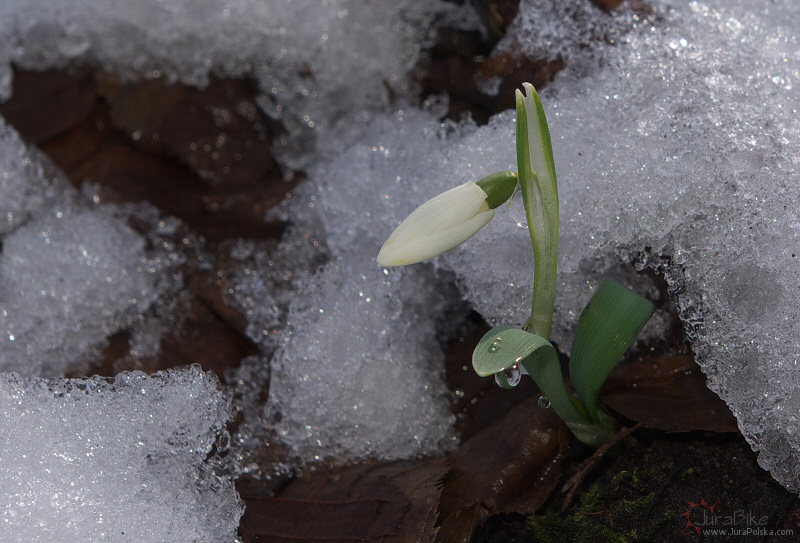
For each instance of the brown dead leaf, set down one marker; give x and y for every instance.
(201, 155)
(218, 132)
(201, 335)
(514, 68)
(607, 5)
(510, 466)
(497, 15)
(667, 392)
(46, 104)
(388, 502)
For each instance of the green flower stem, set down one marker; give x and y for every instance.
(537, 175)
(595, 434)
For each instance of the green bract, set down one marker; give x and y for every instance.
(499, 187)
(537, 177)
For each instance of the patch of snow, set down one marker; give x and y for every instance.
(133, 458)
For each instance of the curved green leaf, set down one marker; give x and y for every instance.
(493, 353)
(503, 346)
(607, 327)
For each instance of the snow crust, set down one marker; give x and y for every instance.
(316, 63)
(70, 274)
(350, 351)
(133, 458)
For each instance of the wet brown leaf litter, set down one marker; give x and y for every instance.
(204, 156)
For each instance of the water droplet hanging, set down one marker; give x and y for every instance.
(509, 377)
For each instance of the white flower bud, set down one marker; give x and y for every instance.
(438, 225)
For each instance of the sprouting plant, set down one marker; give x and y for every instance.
(608, 324)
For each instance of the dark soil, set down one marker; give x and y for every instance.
(657, 488)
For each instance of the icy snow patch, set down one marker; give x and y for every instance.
(131, 458)
(569, 30)
(316, 63)
(70, 274)
(27, 182)
(679, 153)
(355, 368)
(66, 282)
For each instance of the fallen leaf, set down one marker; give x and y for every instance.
(203, 156)
(510, 466)
(607, 5)
(392, 502)
(218, 132)
(48, 103)
(667, 392)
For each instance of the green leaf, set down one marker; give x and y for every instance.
(537, 178)
(493, 354)
(503, 346)
(607, 327)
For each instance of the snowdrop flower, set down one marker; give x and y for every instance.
(447, 221)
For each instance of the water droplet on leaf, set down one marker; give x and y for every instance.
(511, 376)
(544, 402)
(496, 345)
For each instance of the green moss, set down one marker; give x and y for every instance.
(632, 506)
(617, 510)
(634, 477)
